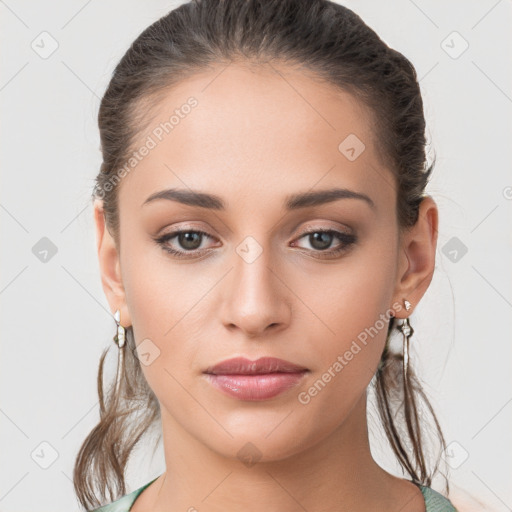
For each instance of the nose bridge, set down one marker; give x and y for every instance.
(252, 267)
(256, 298)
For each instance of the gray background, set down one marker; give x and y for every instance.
(54, 316)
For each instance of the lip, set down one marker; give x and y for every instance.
(254, 380)
(244, 366)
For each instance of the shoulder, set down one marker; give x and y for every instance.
(124, 503)
(436, 502)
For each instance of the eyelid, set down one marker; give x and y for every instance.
(308, 227)
(313, 226)
(347, 239)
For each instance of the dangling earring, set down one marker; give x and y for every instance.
(407, 331)
(119, 339)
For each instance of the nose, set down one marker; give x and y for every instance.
(256, 300)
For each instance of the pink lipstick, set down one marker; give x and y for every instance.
(254, 380)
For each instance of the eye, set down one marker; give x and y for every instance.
(322, 239)
(188, 239)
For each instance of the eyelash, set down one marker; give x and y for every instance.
(347, 241)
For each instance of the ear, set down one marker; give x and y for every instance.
(417, 257)
(110, 268)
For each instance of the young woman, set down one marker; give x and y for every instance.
(263, 234)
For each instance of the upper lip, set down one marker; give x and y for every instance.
(243, 366)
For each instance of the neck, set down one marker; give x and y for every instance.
(334, 473)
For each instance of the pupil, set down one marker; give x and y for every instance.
(186, 240)
(319, 240)
(323, 238)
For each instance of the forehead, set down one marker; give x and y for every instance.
(264, 131)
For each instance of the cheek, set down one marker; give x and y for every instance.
(353, 308)
(166, 303)
(156, 290)
(346, 359)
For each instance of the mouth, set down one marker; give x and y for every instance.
(263, 365)
(262, 379)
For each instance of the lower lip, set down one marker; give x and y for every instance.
(255, 387)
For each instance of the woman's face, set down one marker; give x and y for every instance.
(256, 283)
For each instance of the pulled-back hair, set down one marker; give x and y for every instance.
(333, 43)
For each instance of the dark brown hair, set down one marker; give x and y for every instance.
(334, 44)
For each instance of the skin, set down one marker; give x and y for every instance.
(253, 140)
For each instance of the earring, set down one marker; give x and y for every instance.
(119, 339)
(407, 331)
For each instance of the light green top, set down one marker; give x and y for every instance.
(434, 501)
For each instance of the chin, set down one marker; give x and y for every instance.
(253, 444)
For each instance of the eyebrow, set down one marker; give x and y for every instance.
(292, 202)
